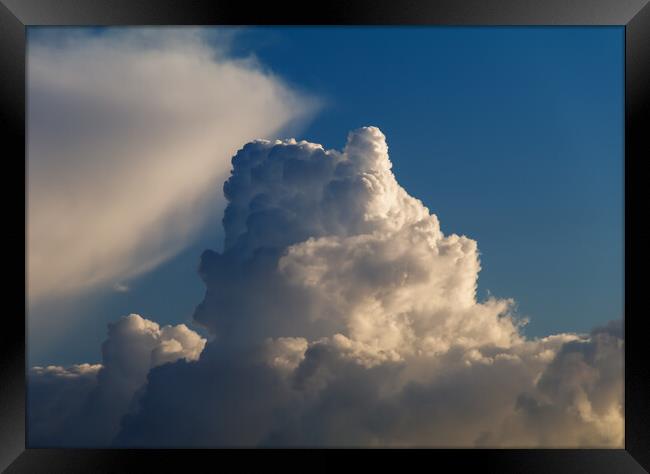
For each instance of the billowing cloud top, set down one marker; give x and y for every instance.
(364, 258)
(342, 315)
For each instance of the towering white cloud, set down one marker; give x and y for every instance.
(129, 135)
(335, 232)
(342, 315)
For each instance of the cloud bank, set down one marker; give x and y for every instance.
(341, 315)
(83, 404)
(129, 135)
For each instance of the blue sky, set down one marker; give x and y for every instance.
(512, 136)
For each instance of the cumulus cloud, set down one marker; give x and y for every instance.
(577, 399)
(129, 135)
(86, 402)
(341, 315)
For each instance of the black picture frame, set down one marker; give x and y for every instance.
(16, 15)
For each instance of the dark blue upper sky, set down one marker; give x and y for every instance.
(512, 136)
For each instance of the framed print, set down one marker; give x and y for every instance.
(402, 228)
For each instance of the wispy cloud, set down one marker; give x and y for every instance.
(121, 287)
(130, 133)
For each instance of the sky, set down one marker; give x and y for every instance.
(509, 135)
(511, 139)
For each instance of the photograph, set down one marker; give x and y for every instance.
(325, 236)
